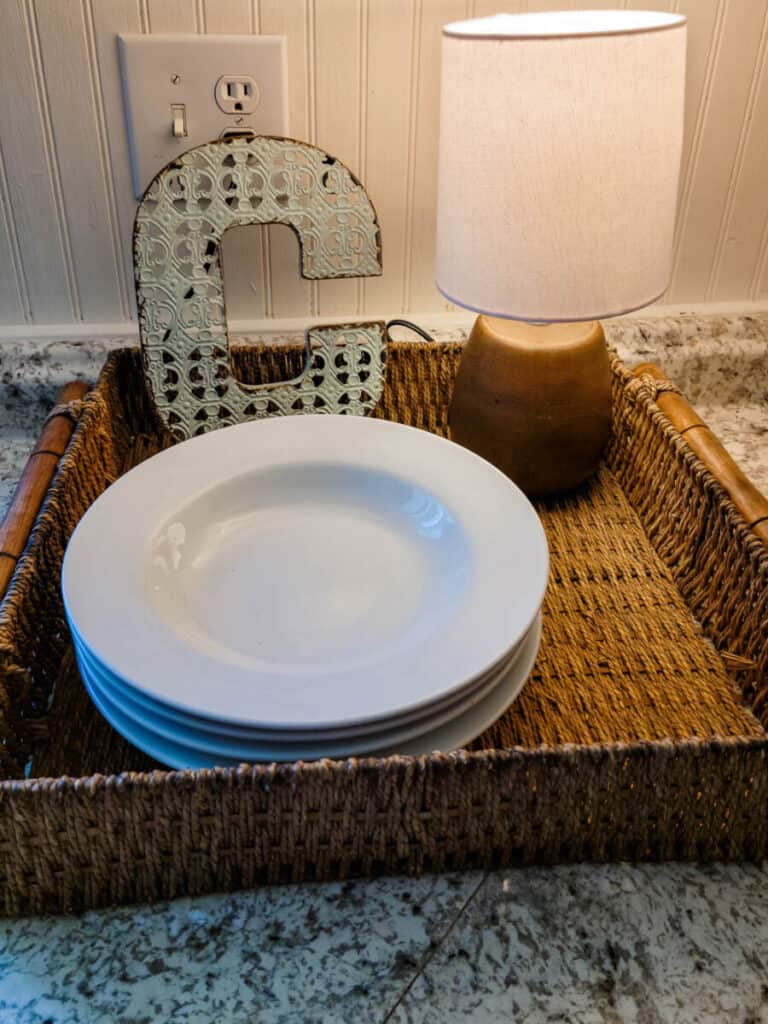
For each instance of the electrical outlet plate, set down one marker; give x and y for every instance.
(208, 85)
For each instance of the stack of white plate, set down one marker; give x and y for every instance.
(306, 587)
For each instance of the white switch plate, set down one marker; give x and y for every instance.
(164, 71)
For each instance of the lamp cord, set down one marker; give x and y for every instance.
(411, 327)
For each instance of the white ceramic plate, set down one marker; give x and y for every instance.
(116, 698)
(452, 736)
(324, 571)
(144, 708)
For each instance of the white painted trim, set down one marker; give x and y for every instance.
(270, 328)
(66, 332)
(745, 308)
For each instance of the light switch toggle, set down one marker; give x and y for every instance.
(178, 120)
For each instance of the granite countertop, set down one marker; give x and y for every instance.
(581, 944)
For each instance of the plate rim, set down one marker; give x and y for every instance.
(405, 732)
(511, 686)
(78, 572)
(231, 730)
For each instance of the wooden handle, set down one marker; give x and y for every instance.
(34, 483)
(746, 497)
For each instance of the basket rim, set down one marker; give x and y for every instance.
(594, 751)
(638, 389)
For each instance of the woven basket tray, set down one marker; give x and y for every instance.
(630, 741)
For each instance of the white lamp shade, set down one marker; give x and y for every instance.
(560, 144)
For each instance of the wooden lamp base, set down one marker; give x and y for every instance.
(535, 400)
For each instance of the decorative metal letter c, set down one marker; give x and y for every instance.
(182, 322)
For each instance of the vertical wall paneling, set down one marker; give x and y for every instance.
(244, 260)
(363, 71)
(422, 293)
(14, 300)
(410, 169)
(759, 285)
(105, 128)
(290, 293)
(746, 213)
(337, 103)
(704, 41)
(658, 5)
(111, 17)
(718, 145)
(32, 177)
(234, 17)
(575, 5)
(702, 48)
(174, 15)
(390, 37)
(485, 8)
(363, 81)
(82, 162)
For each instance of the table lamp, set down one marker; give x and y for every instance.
(560, 143)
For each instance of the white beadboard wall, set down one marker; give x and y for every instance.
(364, 84)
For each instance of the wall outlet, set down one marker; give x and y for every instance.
(180, 91)
(237, 94)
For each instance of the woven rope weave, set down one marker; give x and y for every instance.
(629, 741)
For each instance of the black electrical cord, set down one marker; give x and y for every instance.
(411, 327)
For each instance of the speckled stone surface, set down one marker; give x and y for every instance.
(31, 374)
(720, 363)
(312, 953)
(721, 366)
(647, 944)
(577, 944)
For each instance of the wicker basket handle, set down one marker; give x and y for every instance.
(752, 504)
(37, 476)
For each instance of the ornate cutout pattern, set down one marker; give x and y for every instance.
(182, 320)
